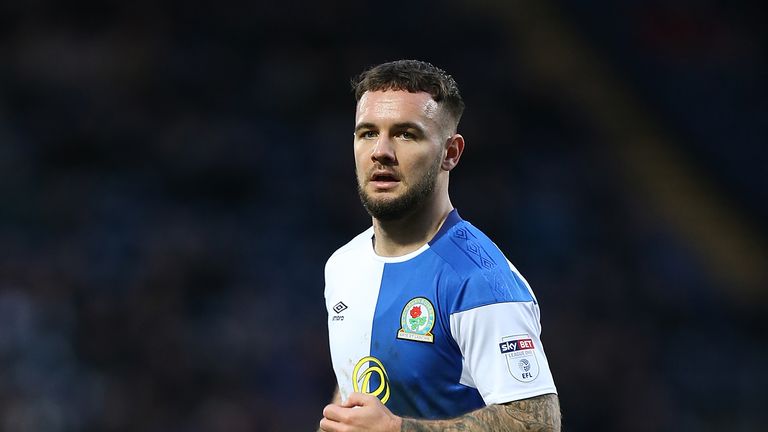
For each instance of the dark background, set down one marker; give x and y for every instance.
(173, 176)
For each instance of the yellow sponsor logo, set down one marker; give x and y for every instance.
(361, 378)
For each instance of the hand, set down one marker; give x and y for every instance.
(360, 412)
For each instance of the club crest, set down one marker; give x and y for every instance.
(417, 320)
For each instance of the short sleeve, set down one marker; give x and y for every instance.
(502, 354)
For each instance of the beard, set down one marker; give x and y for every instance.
(389, 209)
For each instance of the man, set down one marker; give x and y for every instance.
(430, 327)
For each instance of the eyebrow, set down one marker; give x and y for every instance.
(396, 126)
(362, 126)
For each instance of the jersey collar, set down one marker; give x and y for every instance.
(452, 219)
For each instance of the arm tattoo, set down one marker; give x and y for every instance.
(540, 413)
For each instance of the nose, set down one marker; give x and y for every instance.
(384, 151)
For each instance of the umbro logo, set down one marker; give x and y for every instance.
(339, 307)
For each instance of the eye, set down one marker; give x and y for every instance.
(407, 136)
(368, 134)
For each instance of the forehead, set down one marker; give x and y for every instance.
(384, 106)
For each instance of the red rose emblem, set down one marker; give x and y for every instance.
(415, 312)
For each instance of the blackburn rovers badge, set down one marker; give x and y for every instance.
(417, 320)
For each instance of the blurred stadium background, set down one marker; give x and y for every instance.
(174, 174)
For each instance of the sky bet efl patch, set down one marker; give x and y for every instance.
(521, 357)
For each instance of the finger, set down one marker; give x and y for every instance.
(359, 399)
(329, 425)
(354, 399)
(334, 413)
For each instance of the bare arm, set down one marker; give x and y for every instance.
(366, 413)
(540, 413)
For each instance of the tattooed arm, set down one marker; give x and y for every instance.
(540, 413)
(362, 412)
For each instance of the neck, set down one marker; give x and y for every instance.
(405, 235)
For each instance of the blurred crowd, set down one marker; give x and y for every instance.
(174, 175)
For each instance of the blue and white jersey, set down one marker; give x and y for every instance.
(436, 333)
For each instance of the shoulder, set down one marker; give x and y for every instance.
(359, 243)
(485, 275)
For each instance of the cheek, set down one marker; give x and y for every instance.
(360, 159)
(423, 161)
(361, 152)
(362, 163)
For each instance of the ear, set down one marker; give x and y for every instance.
(454, 147)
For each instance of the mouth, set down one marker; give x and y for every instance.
(384, 180)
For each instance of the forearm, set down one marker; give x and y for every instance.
(540, 413)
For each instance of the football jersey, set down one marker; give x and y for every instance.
(436, 333)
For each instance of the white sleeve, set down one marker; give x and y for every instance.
(502, 353)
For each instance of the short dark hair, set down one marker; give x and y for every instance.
(413, 76)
